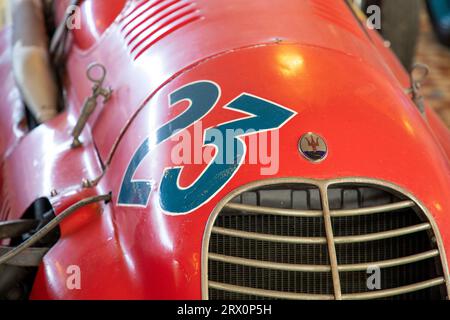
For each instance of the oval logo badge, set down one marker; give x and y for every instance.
(313, 147)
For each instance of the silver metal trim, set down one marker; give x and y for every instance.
(269, 293)
(323, 268)
(268, 264)
(330, 242)
(318, 213)
(321, 184)
(396, 291)
(90, 103)
(389, 263)
(274, 211)
(372, 210)
(383, 235)
(352, 296)
(267, 237)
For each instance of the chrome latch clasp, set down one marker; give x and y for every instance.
(96, 73)
(418, 75)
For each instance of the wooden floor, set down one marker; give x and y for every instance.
(437, 87)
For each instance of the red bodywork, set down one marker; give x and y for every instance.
(312, 57)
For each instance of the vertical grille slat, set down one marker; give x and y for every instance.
(272, 242)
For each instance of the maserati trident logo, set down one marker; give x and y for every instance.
(313, 147)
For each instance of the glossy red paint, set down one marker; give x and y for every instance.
(342, 85)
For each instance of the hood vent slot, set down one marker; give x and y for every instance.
(151, 20)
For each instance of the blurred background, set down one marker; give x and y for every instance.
(437, 56)
(3, 12)
(423, 24)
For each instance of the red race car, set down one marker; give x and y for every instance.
(178, 149)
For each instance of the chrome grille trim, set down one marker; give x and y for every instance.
(330, 242)
(353, 296)
(323, 268)
(269, 265)
(316, 240)
(373, 210)
(269, 293)
(389, 263)
(317, 213)
(324, 186)
(268, 237)
(384, 234)
(274, 211)
(393, 292)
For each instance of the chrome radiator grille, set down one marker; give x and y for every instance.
(318, 241)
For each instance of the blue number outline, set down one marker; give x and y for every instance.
(239, 137)
(141, 189)
(136, 193)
